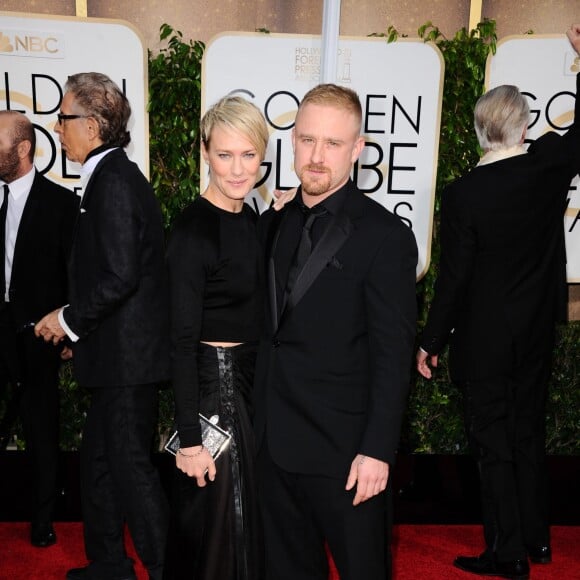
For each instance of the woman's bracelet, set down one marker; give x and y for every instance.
(191, 454)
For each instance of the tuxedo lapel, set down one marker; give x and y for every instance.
(88, 188)
(336, 234)
(272, 283)
(272, 243)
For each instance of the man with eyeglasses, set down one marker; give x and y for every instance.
(36, 223)
(116, 320)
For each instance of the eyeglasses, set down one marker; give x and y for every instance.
(62, 117)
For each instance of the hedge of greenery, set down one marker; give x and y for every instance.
(434, 423)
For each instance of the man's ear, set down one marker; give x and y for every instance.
(357, 149)
(23, 149)
(93, 129)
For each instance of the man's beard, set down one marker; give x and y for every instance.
(318, 185)
(9, 165)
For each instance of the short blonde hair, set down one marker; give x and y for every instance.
(331, 95)
(500, 118)
(240, 115)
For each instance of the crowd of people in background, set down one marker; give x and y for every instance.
(293, 331)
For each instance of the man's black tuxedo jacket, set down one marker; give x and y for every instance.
(117, 295)
(502, 275)
(38, 282)
(333, 369)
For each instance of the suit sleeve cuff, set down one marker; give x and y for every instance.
(65, 326)
(190, 436)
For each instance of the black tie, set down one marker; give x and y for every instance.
(304, 247)
(3, 213)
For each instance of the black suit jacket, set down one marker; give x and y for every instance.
(502, 275)
(38, 282)
(117, 295)
(333, 369)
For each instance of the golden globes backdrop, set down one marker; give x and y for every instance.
(37, 54)
(544, 68)
(400, 88)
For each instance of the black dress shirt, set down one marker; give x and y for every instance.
(291, 230)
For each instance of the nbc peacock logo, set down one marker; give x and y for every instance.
(5, 44)
(35, 44)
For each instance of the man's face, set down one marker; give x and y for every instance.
(326, 143)
(73, 133)
(9, 157)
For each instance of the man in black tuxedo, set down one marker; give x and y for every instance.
(333, 367)
(36, 224)
(500, 290)
(117, 322)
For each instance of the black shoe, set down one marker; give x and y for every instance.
(484, 565)
(540, 554)
(88, 573)
(42, 535)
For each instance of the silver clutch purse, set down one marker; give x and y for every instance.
(213, 437)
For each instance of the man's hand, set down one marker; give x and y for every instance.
(422, 363)
(573, 34)
(370, 476)
(49, 328)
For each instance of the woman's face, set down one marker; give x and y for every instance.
(234, 164)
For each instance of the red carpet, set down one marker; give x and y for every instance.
(420, 552)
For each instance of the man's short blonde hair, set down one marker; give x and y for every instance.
(331, 95)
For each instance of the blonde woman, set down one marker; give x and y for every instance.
(216, 312)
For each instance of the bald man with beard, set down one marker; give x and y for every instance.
(36, 220)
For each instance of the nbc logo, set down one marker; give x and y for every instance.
(31, 44)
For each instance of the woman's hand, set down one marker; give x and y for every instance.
(196, 462)
(573, 34)
(283, 197)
